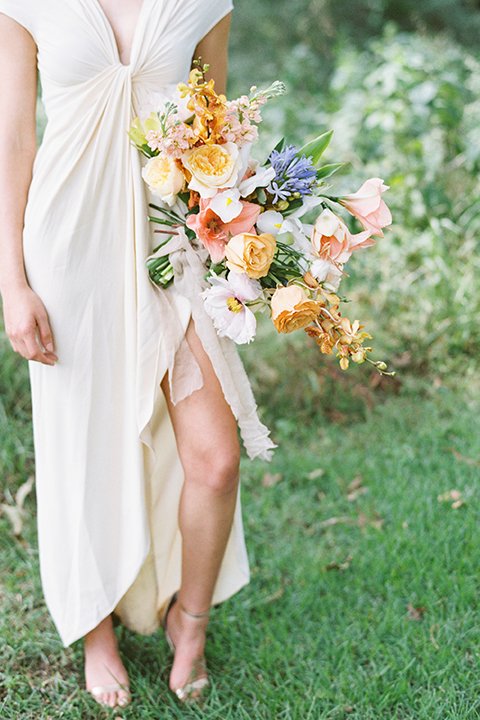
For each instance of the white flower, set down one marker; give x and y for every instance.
(327, 273)
(164, 178)
(258, 177)
(288, 230)
(274, 223)
(297, 229)
(225, 304)
(227, 205)
(309, 202)
(270, 222)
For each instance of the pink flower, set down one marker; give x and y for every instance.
(231, 128)
(225, 303)
(368, 207)
(214, 233)
(333, 241)
(175, 142)
(249, 131)
(154, 139)
(238, 132)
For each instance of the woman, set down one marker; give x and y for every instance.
(122, 524)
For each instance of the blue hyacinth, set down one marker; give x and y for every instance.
(293, 174)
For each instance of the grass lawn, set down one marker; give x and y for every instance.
(364, 599)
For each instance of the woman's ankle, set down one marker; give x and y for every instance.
(102, 634)
(187, 629)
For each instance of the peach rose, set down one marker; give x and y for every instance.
(251, 254)
(164, 178)
(368, 207)
(212, 167)
(292, 309)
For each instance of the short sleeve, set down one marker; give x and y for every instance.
(22, 11)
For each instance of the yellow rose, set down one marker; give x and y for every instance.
(251, 254)
(213, 167)
(164, 178)
(292, 309)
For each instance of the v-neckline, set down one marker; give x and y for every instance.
(111, 30)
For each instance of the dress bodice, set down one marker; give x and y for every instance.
(77, 46)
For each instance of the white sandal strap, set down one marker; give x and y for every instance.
(184, 692)
(103, 689)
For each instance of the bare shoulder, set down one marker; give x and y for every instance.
(16, 43)
(18, 75)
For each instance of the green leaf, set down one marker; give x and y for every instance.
(184, 197)
(278, 147)
(315, 148)
(294, 205)
(147, 151)
(261, 196)
(328, 170)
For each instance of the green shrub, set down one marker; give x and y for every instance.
(406, 110)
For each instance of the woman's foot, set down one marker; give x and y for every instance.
(188, 676)
(105, 674)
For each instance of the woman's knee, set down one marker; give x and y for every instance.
(217, 469)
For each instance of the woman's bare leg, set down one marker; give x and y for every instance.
(103, 665)
(206, 434)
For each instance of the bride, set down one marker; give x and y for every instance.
(122, 524)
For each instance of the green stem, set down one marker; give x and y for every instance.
(168, 213)
(160, 221)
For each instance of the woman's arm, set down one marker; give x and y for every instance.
(25, 316)
(213, 50)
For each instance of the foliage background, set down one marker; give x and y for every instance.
(399, 83)
(364, 595)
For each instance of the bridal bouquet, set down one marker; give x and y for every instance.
(251, 217)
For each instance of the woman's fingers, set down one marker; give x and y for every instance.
(45, 335)
(34, 352)
(28, 327)
(27, 345)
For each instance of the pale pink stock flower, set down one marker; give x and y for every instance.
(154, 139)
(239, 124)
(214, 233)
(249, 131)
(231, 128)
(179, 138)
(368, 207)
(238, 132)
(225, 304)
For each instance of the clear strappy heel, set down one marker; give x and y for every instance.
(191, 691)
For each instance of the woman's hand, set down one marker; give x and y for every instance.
(27, 326)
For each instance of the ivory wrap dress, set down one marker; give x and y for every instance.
(108, 474)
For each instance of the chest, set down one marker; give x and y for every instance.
(123, 17)
(77, 41)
